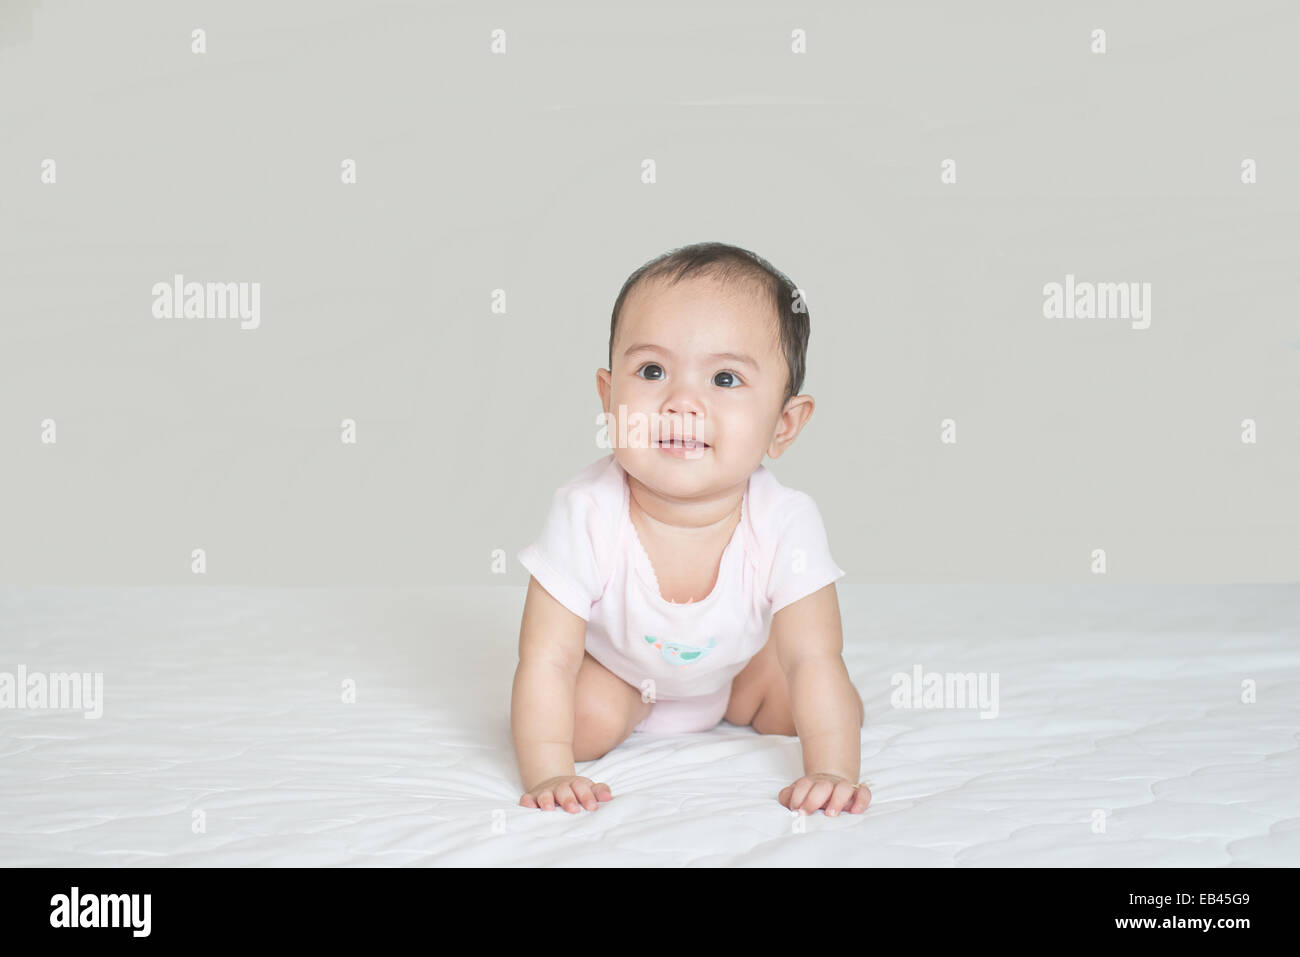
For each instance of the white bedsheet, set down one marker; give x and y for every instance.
(1116, 702)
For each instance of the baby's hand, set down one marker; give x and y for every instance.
(567, 792)
(834, 793)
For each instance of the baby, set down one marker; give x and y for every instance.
(676, 583)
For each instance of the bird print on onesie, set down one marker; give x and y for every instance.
(677, 653)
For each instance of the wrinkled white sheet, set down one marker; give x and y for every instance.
(1118, 703)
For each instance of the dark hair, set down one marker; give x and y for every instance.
(726, 263)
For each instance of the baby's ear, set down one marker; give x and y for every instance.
(796, 415)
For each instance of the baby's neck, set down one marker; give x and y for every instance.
(698, 521)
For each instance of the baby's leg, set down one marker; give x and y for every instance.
(605, 710)
(760, 696)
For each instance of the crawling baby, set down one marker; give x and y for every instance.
(675, 582)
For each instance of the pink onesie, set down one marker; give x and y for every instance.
(681, 656)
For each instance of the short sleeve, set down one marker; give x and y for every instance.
(802, 562)
(568, 557)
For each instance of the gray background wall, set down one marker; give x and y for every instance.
(522, 172)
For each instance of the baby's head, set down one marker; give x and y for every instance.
(708, 341)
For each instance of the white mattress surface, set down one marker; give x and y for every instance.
(1116, 703)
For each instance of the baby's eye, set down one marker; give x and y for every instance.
(731, 376)
(651, 365)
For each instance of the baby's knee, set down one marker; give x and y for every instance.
(598, 727)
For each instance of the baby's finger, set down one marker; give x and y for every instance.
(799, 790)
(839, 798)
(583, 790)
(861, 798)
(817, 796)
(602, 791)
(800, 799)
(528, 801)
(564, 797)
(546, 801)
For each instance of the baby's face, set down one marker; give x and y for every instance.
(701, 359)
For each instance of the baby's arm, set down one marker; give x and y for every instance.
(551, 646)
(826, 708)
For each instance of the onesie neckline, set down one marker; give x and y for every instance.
(645, 568)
